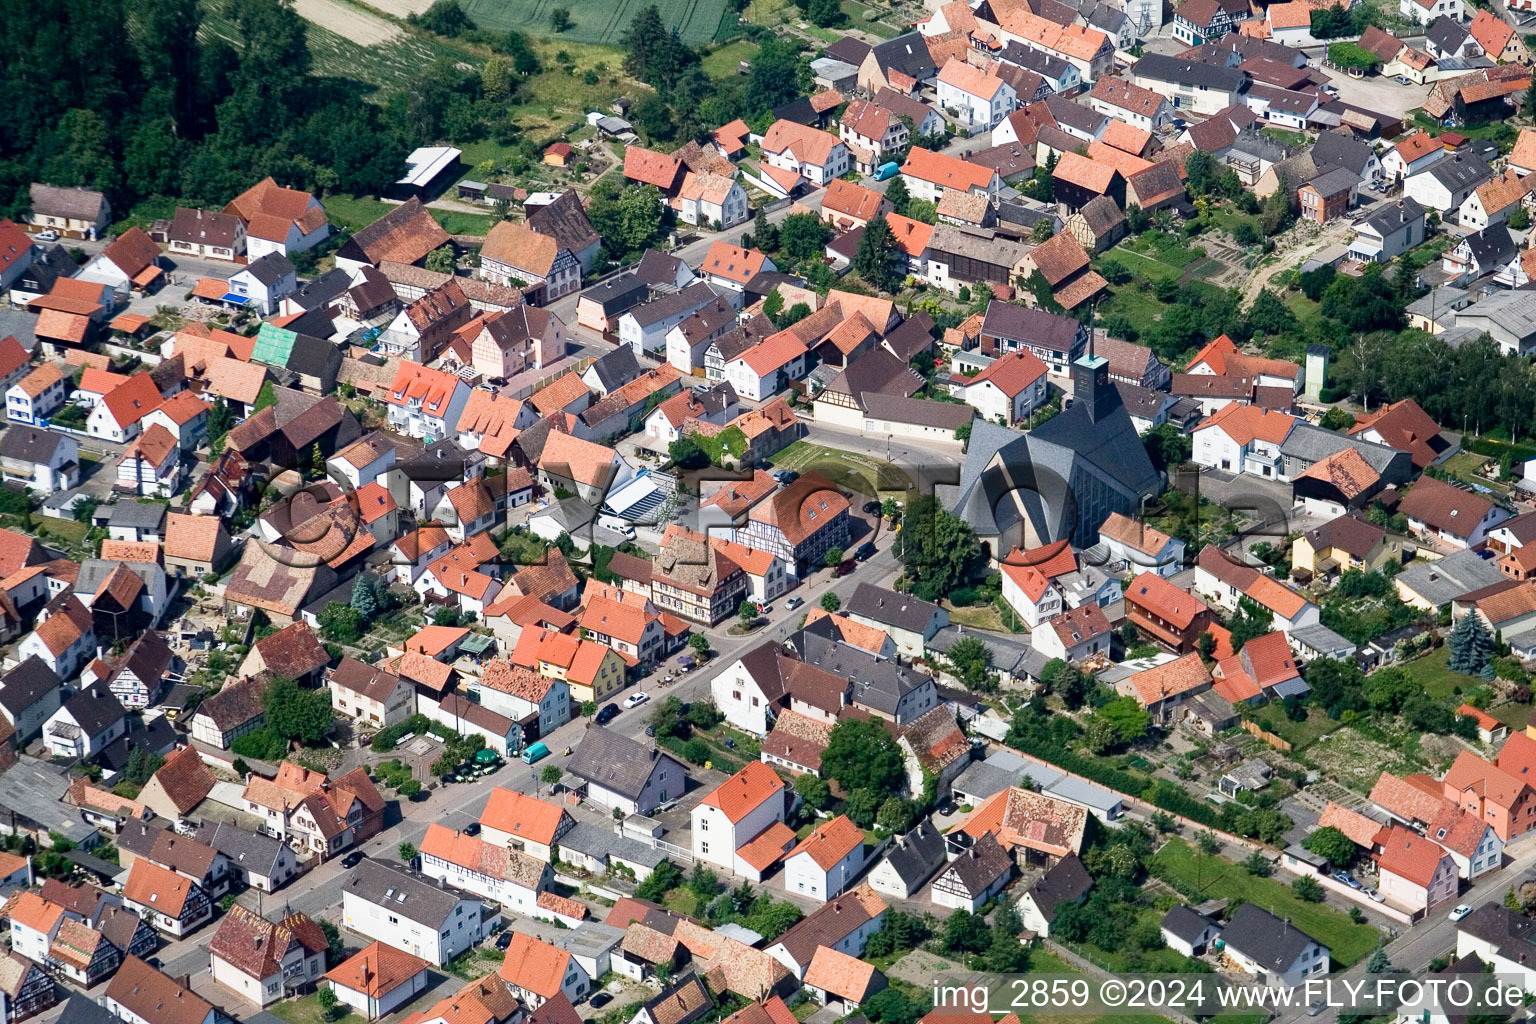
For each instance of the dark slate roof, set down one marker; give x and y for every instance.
(617, 294)
(1492, 246)
(315, 357)
(1445, 34)
(247, 850)
(1041, 63)
(94, 709)
(326, 288)
(1176, 69)
(797, 110)
(1334, 182)
(1184, 923)
(1035, 326)
(408, 895)
(907, 54)
(155, 735)
(911, 336)
(826, 926)
(917, 855)
(981, 865)
(79, 1009)
(1266, 939)
(1333, 149)
(848, 50)
(657, 268)
(566, 222)
(891, 608)
(682, 301)
(877, 683)
(616, 762)
(1388, 217)
(1075, 115)
(1067, 882)
(26, 684)
(1110, 443)
(1512, 934)
(29, 444)
(141, 515)
(1459, 171)
(270, 269)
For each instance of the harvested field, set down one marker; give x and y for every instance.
(348, 22)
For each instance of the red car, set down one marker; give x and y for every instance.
(845, 567)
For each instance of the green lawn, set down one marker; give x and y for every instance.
(862, 473)
(456, 223)
(1301, 734)
(724, 60)
(1513, 715)
(602, 21)
(1216, 877)
(1296, 139)
(1433, 673)
(354, 212)
(307, 1011)
(1144, 266)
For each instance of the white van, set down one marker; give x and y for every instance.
(622, 527)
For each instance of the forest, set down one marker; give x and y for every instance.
(123, 96)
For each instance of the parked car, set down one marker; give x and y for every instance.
(794, 602)
(504, 939)
(845, 567)
(608, 714)
(866, 551)
(887, 170)
(472, 829)
(352, 859)
(48, 236)
(871, 508)
(1461, 911)
(634, 700)
(1373, 895)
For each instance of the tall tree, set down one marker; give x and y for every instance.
(938, 549)
(877, 258)
(1472, 645)
(897, 193)
(862, 755)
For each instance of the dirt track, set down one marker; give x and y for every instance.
(349, 22)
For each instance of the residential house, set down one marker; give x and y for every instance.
(72, 212)
(618, 772)
(1388, 231)
(1171, 616)
(736, 812)
(979, 873)
(711, 200)
(368, 695)
(1274, 951)
(170, 902)
(379, 979)
(205, 234)
(36, 397)
(1449, 516)
(1065, 884)
(140, 994)
(402, 910)
(425, 403)
(826, 861)
(814, 155)
(538, 972)
(86, 723)
(263, 961)
(496, 873)
(41, 460)
(978, 99)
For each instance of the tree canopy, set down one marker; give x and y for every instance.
(937, 548)
(862, 755)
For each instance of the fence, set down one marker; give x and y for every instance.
(1268, 737)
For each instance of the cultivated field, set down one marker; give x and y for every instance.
(348, 22)
(595, 21)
